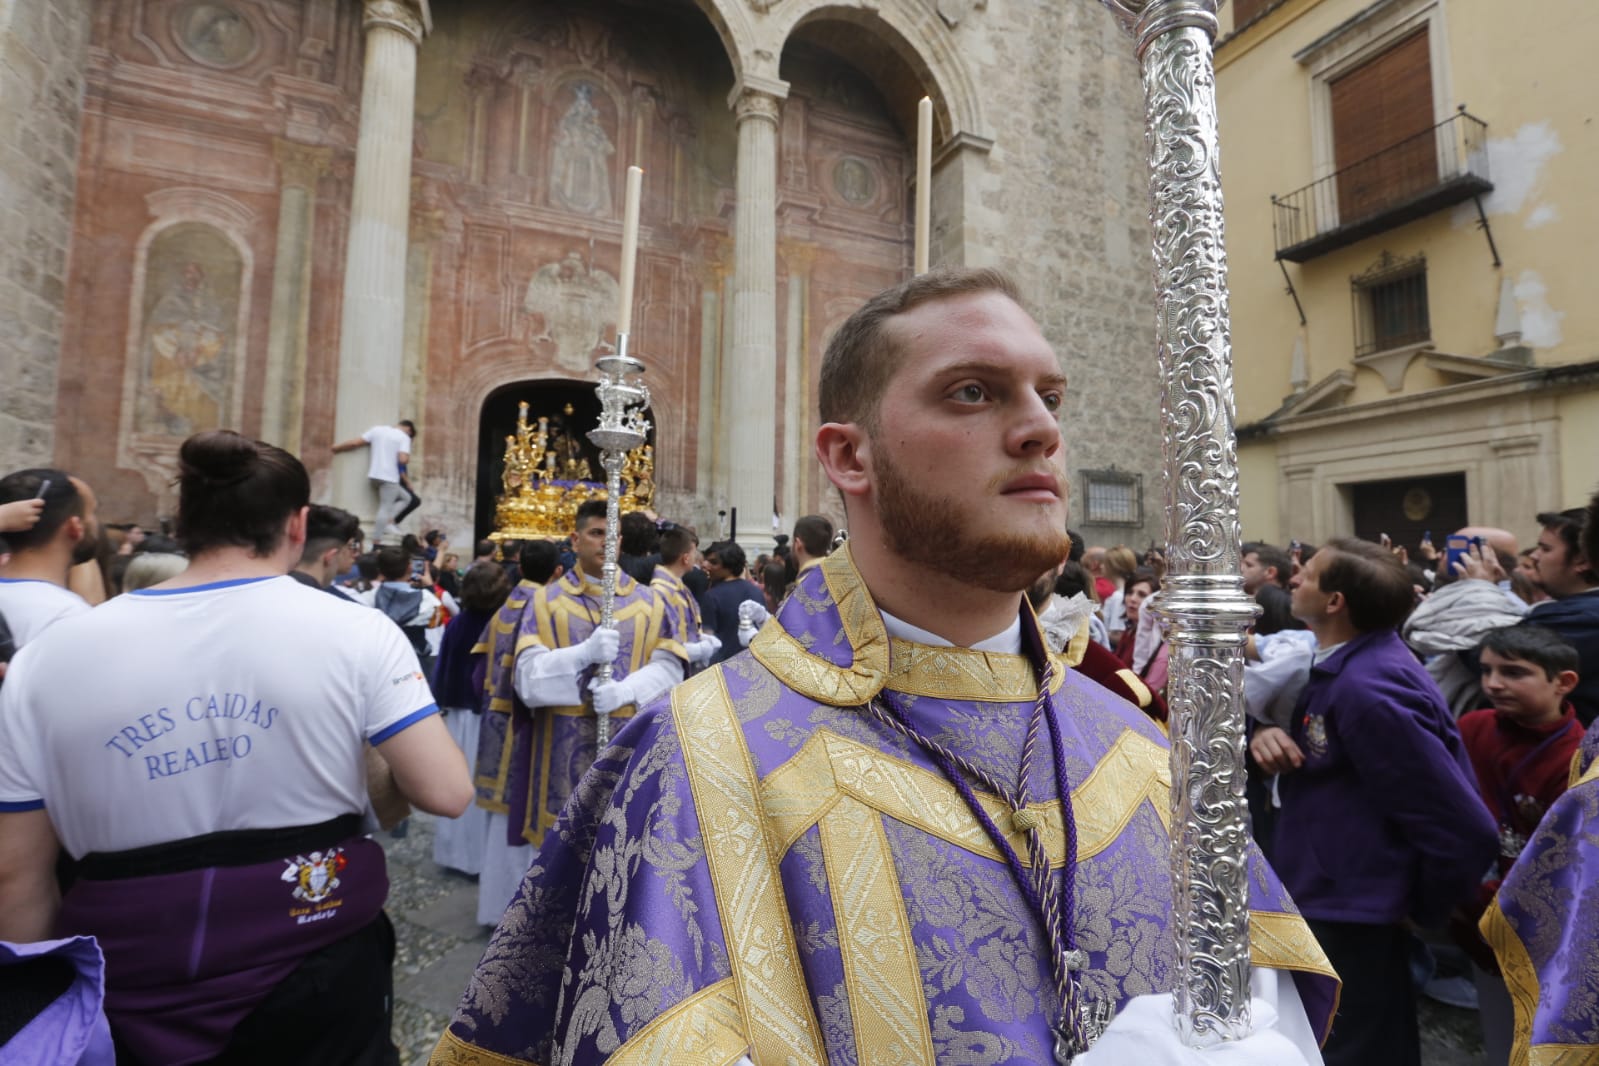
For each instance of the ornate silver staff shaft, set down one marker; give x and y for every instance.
(1203, 601)
(622, 428)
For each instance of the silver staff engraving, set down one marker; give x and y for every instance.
(1203, 601)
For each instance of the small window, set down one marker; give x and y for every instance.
(1114, 498)
(1391, 305)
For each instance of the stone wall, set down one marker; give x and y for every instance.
(42, 45)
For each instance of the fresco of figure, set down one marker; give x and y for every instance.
(580, 159)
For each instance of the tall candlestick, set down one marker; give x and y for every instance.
(624, 314)
(924, 180)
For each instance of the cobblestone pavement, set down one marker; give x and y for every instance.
(435, 917)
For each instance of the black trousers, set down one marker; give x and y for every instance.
(1376, 1022)
(416, 501)
(335, 1009)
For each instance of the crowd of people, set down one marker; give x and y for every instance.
(854, 790)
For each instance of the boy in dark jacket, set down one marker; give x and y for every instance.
(1380, 819)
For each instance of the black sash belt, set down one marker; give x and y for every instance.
(240, 847)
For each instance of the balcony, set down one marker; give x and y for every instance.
(1437, 168)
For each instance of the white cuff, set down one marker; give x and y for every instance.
(548, 678)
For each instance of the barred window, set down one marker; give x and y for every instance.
(1113, 498)
(1391, 305)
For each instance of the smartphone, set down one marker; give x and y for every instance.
(1456, 549)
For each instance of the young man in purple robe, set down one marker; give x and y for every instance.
(897, 829)
(545, 651)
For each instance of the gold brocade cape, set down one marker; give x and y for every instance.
(758, 867)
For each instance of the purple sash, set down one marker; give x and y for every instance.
(189, 955)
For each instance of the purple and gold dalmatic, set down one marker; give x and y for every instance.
(1544, 927)
(529, 760)
(758, 867)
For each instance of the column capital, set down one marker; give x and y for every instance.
(300, 164)
(757, 97)
(413, 18)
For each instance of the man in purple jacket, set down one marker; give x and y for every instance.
(1380, 818)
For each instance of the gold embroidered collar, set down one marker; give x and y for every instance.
(880, 661)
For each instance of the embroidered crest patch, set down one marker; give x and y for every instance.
(315, 878)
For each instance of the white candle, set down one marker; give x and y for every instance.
(624, 314)
(924, 181)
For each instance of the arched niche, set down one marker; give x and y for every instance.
(910, 53)
(497, 417)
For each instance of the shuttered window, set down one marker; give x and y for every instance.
(1384, 147)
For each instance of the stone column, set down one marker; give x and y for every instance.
(372, 327)
(282, 406)
(751, 373)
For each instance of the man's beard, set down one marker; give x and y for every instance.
(88, 546)
(945, 537)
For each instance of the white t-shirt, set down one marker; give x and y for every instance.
(387, 444)
(168, 714)
(31, 606)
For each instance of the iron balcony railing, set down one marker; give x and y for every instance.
(1436, 168)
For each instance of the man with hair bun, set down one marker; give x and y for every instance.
(200, 752)
(33, 582)
(850, 843)
(1380, 822)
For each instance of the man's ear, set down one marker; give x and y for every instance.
(295, 529)
(327, 556)
(1336, 603)
(844, 450)
(1565, 681)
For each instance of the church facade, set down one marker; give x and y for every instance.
(301, 218)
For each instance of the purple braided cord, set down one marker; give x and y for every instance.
(1035, 884)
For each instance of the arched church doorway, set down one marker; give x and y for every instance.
(572, 408)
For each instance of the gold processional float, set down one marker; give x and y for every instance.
(545, 479)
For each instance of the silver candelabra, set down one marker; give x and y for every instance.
(623, 427)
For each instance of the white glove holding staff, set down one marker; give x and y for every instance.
(601, 646)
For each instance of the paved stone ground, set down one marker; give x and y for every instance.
(435, 917)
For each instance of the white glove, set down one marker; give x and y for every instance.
(746, 633)
(609, 695)
(601, 646)
(701, 651)
(1145, 1032)
(752, 612)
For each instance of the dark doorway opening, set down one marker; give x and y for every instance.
(1408, 508)
(572, 406)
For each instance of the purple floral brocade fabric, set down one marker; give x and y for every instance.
(619, 922)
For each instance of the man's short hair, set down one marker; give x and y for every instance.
(61, 502)
(863, 355)
(1073, 579)
(730, 555)
(1375, 584)
(484, 587)
(1571, 527)
(1542, 647)
(394, 563)
(482, 548)
(327, 527)
(675, 543)
(1269, 555)
(1079, 546)
(366, 565)
(816, 533)
(586, 510)
(639, 536)
(537, 560)
(408, 425)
